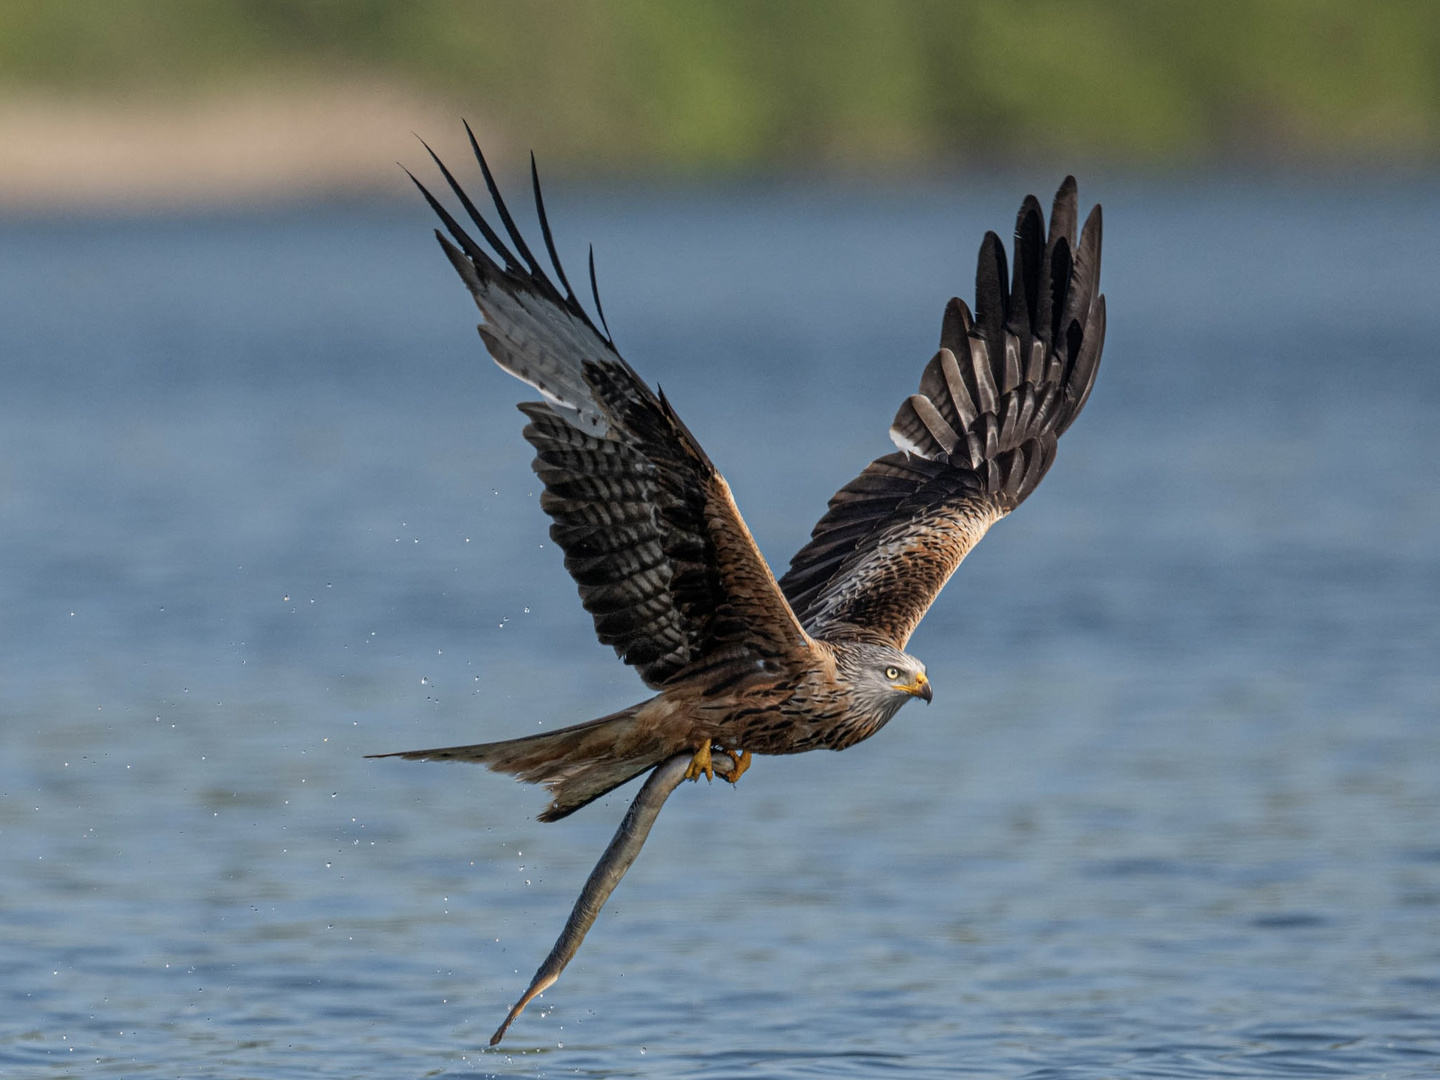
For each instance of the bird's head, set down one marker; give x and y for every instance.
(882, 678)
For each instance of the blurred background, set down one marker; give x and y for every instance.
(265, 509)
(224, 99)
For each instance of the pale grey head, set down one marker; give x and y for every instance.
(880, 678)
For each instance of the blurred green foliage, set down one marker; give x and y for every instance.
(692, 84)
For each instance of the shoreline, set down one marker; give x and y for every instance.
(290, 143)
(252, 146)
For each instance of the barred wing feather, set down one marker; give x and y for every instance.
(975, 440)
(664, 563)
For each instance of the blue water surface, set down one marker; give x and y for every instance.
(264, 509)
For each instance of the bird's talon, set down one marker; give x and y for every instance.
(742, 762)
(701, 763)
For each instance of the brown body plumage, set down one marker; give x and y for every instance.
(667, 567)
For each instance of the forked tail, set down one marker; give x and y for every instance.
(577, 764)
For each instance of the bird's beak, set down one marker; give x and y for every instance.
(920, 688)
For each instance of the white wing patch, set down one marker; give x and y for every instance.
(543, 346)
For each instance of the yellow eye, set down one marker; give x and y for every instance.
(892, 673)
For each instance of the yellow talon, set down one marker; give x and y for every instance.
(701, 763)
(742, 762)
(704, 763)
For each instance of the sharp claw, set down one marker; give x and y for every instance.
(704, 763)
(742, 762)
(701, 763)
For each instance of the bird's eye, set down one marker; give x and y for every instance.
(892, 673)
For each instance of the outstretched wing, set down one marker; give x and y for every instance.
(974, 442)
(664, 562)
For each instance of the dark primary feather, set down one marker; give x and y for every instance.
(663, 561)
(975, 441)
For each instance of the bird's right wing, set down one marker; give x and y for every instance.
(664, 562)
(974, 442)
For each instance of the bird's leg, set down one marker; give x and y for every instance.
(701, 763)
(704, 762)
(742, 762)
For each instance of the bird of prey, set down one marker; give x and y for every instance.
(739, 661)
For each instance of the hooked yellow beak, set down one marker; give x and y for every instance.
(920, 687)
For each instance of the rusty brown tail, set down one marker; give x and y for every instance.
(577, 764)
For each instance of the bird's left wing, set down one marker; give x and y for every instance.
(664, 562)
(974, 442)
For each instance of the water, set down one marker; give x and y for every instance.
(264, 508)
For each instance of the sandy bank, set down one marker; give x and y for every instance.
(257, 145)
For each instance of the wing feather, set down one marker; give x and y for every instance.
(662, 559)
(975, 441)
